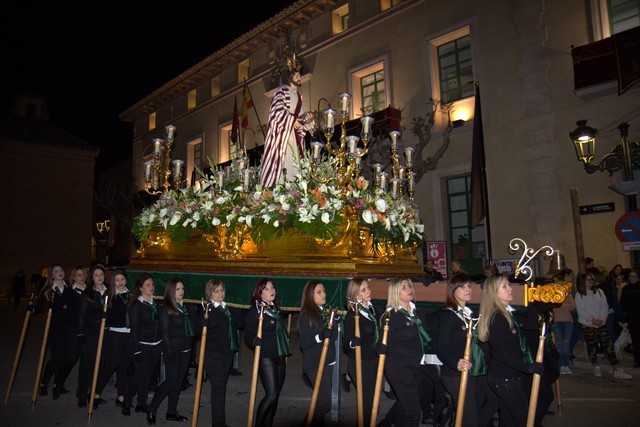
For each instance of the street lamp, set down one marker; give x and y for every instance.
(625, 156)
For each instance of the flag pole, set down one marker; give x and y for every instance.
(254, 107)
(480, 208)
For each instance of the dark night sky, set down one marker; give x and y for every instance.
(93, 60)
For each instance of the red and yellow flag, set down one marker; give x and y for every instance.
(247, 102)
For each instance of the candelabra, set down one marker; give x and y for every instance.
(159, 170)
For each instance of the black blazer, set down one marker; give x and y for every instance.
(311, 348)
(367, 335)
(269, 347)
(218, 329)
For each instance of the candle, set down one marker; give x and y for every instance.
(377, 167)
(247, 176)
(177, 168)
(359, 158)
(395, 187)
(412, 180)
(317, 149)
(344, 103)
(329, 113)
(197, 185)
(147, 170)
(366, 125)
(401, 172)
(241, 163)
(394, 134)
(157, 145)
(170, 129)
(220, 177)
(408, 152)
(352, 140)
(383, 180)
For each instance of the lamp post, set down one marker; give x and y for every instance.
(625, 156)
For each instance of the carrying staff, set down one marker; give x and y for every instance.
(146, 341)
(359, 291)
(203, 344)
(96, 369)
(535, 385)
(117, 347)
(313, 330)
(54, 338)
(510, 360)
(463, 377)
(380, 373)
(176, 323)
(71, 299)
(90, 323)
(223, 323)
(271, 343)
(406, 353)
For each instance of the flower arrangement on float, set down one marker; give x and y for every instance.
(302, 204)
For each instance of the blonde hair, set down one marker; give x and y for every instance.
(353, 289)
(212, 285)
(491, 305)
(393, 294)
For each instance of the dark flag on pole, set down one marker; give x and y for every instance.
(478, 172)
(235, 125)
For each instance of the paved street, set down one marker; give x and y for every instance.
(586, 400)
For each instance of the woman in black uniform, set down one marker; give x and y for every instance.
(313, 330)
(177, 329)
(117, 349)
(146, 340)
(359, 291)
(510, 359)
(221, 346)
(89, 323)
(274, 347)
(406, 350)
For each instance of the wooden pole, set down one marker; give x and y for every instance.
(535, 386)
(43, 352)
(96, 366)
(254, 376)
(16, 360)
(316, 384)
(380, 373)
(464, 377)
(203, 343)
(557, 383)
(356, 318)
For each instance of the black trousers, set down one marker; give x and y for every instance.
(89, 350)
(145, 362)
(116, 357)
(514, 401)
(369, 373)
(323, 403)
(174, 372)
(55, 343)
(218, 366)
(405, 380)
(71, 355)
(273, 371)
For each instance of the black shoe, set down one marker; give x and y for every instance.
(57, 391)
(176, 417)
(346, 384)
(42, 391)
(97, 401)
(119, 402)
(234, 372)
(126, 409)
(151, 417)
(142, 408)
(63, 390)
(83, 400)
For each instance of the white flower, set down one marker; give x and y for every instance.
(215, 221)
(325, 217)
(175, 218)
(366, 216)
(381, 205)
